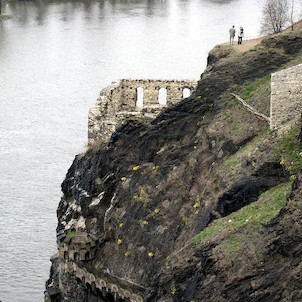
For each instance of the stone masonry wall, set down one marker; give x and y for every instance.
(121, 101)
(286, 98)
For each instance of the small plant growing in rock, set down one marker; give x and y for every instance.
(88, 149)
(72, 234)
(196, 205)
(156, 211)
(185, 219)
(173, 291)
(135, 168)
(137, 198)
(150, 254)
(127, 254)
(119, 241)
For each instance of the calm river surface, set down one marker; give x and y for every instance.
(55, 57)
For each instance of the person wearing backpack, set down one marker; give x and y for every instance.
(240, 35)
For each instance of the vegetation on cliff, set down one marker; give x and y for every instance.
(203, 203)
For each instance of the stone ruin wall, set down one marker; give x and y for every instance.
(82, 248)
(118, 102)
(101, 285)
(286, 98)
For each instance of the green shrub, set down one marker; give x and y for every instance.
(289, 150)
(72, 234)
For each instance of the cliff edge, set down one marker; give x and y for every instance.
(203, 203)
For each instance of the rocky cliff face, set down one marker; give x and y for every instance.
(200, 205)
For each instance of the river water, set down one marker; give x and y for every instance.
(55, 57)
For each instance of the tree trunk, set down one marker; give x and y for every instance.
(292, 14)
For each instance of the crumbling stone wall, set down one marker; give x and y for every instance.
(286, 98)
(79, 249)
(120, 101)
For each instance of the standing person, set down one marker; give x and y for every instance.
(240, 35)
(232, 32)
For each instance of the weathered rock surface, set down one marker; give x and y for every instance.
(129, 210)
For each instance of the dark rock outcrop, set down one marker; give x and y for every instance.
(130, 209)
(249, 189)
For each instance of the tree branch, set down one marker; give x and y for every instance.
(251, 109)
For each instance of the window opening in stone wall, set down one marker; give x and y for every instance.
(110, 297)
(186, 92)
(88, 286)
(140, 97)
(87, 256)
(66, 255)
(162, 96)
(93, 287)
(99, 293)
(76, 256)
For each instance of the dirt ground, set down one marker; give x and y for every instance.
(249, 44)
(246, 45)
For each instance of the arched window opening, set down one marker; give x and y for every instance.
(140, 97)
(93, 288)
(88, 286)
(186, 92)
(162, 96)
(66, 257)
(87, 256)
(99, 293)
(76, 256)
(110, 297)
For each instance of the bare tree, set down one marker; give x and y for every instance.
(292, 10)
(275, 15)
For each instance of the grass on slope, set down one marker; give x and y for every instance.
(253, 215)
